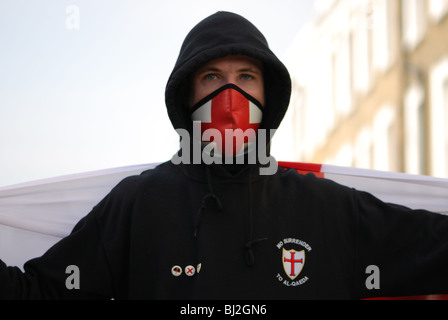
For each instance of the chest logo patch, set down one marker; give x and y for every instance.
(293, 253)
(293, 262)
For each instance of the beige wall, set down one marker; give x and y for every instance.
(359, 72)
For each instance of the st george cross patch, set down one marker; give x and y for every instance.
(293, 262)
(293, 254)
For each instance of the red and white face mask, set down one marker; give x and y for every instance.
(233, 114)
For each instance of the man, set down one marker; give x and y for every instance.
(216, 230)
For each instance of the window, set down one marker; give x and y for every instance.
(445, 126)
(414, 122)
(385, 154)
(414, 22)
(383, 34)
(322, 112)
(438, 125)
(341, 76)
(438, 9)
(363, 149)
(359, 51)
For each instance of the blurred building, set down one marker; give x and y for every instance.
(370, 86)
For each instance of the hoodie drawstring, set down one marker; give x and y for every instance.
(209, 195)
(250, 257)
(249, 253)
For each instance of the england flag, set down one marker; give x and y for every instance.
(36, 215)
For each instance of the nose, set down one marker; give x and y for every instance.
(231, 78)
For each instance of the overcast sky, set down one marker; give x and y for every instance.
(85, 94)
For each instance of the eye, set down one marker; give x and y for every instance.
(246, 76)
(210, 76)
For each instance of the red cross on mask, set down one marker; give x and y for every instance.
(229, 108)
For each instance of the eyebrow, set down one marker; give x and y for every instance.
(249, 69)
(214, 69)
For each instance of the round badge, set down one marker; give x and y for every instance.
(190, 271)
(176, 271)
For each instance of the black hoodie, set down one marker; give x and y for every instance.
(205, 232)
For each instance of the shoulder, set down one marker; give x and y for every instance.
(125, 194)
(163, 174)
(313, 186)
(311, 179)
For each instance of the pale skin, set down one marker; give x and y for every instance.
(242, 71)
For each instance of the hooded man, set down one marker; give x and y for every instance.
(201, 228)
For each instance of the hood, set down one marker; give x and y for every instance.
(219, 35)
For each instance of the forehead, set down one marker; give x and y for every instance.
(233, 62)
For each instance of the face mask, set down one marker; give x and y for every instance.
(235, 117)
